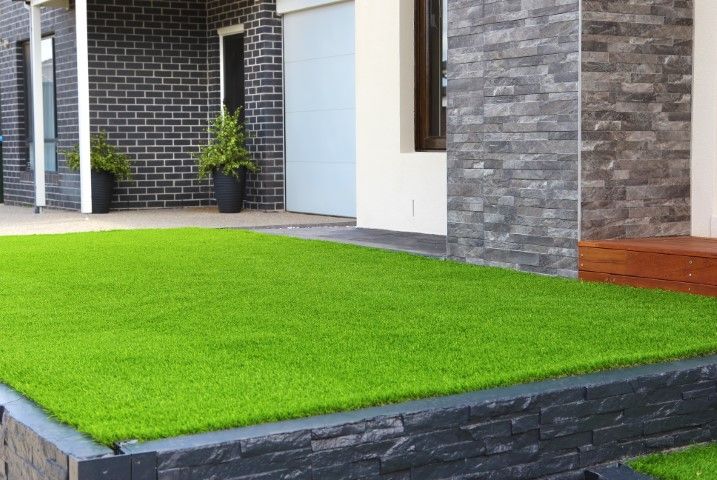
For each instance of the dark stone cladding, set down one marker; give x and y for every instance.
(636, 118)
(513, 142)
(549, 430)
(34, 447)
(155, 86)
(63, 190)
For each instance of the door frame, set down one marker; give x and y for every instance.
(229, 31)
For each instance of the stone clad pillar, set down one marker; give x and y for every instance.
(567, 120)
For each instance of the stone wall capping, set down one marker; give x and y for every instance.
(65, 438)
(618, 472)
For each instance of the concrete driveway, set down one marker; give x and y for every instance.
(22, 220)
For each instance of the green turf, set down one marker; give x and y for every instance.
(698, 463)
(149, 334)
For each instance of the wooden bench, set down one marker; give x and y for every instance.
(683, 264)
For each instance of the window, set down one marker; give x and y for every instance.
(48, 102)
(431, 79)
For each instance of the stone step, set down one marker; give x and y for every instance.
(620, 472)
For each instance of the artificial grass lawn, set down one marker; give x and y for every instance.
(149, 334)
(698, 463)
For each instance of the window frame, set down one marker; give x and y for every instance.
(27, 86)
(222, 33)
(424, 140)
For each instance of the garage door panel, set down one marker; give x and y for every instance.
(308, 35)
(316, 187)
(320, 108)
(322, 136)
(321, 84)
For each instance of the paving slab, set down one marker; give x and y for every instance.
(416, 243)
(23, 220)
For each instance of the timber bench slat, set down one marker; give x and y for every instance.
(696, 288)
(690, 246)
(685, 264)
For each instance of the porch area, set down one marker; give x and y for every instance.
(22, 221)
(682, 264)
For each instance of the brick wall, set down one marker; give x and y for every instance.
(154, 87)
(148, 90)
(636, 120)
(62, 186)
(263, 65)
(513, 134)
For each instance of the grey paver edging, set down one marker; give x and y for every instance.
(617, 472)
(65, 438)
(526, 431)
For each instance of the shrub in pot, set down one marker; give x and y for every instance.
(227, 159)
(108, 166)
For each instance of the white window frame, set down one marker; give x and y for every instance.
(237, 29)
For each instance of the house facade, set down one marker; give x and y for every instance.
(515, 128)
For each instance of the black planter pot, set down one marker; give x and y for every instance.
(103, 186)
(229, 191)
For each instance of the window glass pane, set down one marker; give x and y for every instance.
(431, 73)
(444, 61)
(438, 56)
(48, 103)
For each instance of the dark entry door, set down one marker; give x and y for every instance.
(234, 72)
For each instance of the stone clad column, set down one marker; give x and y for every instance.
(513, 134)
(636, 118)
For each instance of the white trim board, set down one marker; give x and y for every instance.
(288, 6)
(38, 113)
(52, 3)
(83, 106)
(704, 123)
(237, 29)
(231, 30)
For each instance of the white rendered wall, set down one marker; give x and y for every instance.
(704, 127)
(397, 188)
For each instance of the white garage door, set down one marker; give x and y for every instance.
(319, 56)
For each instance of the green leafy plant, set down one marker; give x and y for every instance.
(104, 157)
(227, 149)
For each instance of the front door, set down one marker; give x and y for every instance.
(234, 72)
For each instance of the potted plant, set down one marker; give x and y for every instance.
(108, 165)
(227, 159)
